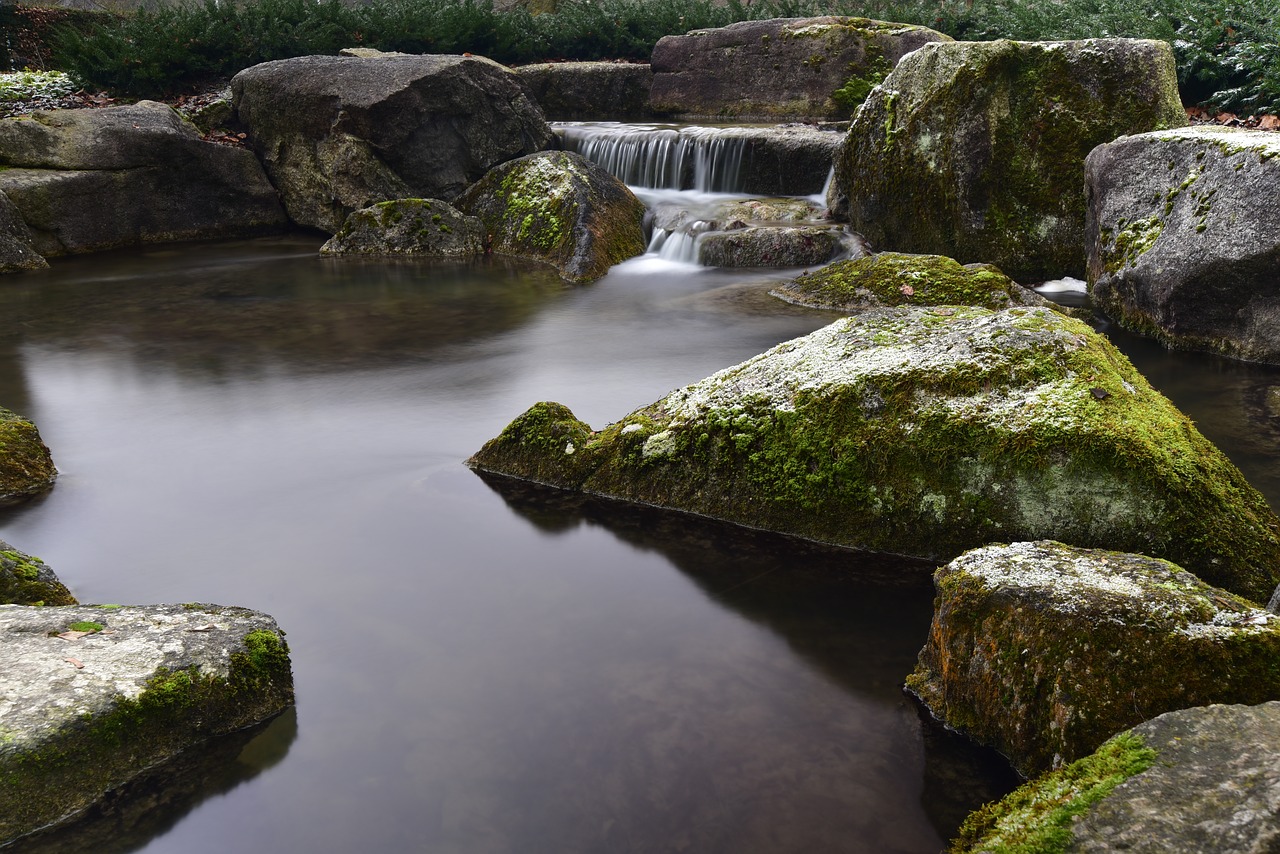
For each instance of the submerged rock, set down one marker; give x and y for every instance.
(561, 208)
(1043, 651)
(1184, 240)
(96, 695)
(925, 432)
(27, 580)
(26, 466)
(1186, 782)
(975, 150)
(408, 227)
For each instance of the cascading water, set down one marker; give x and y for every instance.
(656, 157)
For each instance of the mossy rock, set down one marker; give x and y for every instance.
(772, 246)
(558, 207)
(1044, 651)
(926, 432)
(26, 466)
(27, 580)
(426, 227)
(894, 278)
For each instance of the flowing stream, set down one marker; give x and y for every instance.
(481, 666)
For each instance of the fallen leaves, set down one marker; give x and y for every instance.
(74, 662)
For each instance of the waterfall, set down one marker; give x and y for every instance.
(662, 158)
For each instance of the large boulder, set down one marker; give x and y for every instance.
(408, 227)
(780, 68)
(975, 150)
(340, 133)
(26, 467)
(27, 580)
(16, 251)
(772, 246)
(560, 208)
(1186, 782)
(1184, 241)
(92, 179)
(925, 431)
(1044, 651)
(595, 91)
(95, 695)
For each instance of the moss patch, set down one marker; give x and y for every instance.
(26, 466)
(26, 580)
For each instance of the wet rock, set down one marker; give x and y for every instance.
(1188, 781)
(781, 68)
(337, 134)
(16, 252)
(1183, 242)
(27, 580)
(762, 211)
(589, 91)
(558, 207)
(94, 695)
(92, 179)
(924, 432)
(771, 246)
(408, 227)
(975, 150)
(26, 466)
(892, 278)
(1044, 651)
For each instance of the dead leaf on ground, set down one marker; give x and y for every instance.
(75, 662)
(73, 635)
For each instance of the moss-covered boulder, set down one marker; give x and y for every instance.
(27, 580)
(408, 227)
(894, 278)
(975, 150)
(558, 207)
(26, 466)
(96, 695)
(1184, 239)
(925, 431)
(1044, 651)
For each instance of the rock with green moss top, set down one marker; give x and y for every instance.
(408, 227)
(26, 466)
(27, 580)
(1186, 782)
(1184, 238)
(85, 714)
(780, 68)
(975, 150)
(774, 246)
(16, 252)
(1044, 651)
(893, 278)
(561, 208)
(925, 432)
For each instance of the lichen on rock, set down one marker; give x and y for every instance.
(26, 466)
(408, 227)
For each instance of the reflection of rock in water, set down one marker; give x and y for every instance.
(150, 805)
(959, 775)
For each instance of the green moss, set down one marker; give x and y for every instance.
(21, 581)
(1036, 818)
(86, 626)
(26, 466)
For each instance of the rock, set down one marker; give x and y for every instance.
(217, 114)
(924, 432)
(1183, 243)
(781, 68)
(558, 207)
(764, 211)
(1044, 651)
(1189, 781)
(975, 150)
(408, 227)
(591, 91)
(27, 580)
(892, 278)
(16, 252)
(337, 134)
(92, 179)
(86, 713)
(771, 246)
(26, 466)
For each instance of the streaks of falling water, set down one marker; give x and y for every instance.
(663, 158)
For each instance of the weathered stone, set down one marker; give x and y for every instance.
(85, 713)
(764, 211)
(1183, 240)
(1044, 651)
(27, 580)
(337, 134)
(16, 252)
(558, 207)
(892, 278)
(408, 227)
(780, 68)
(925, 432)
(1186, 782)
(589, 91)
(771, 246)
(93, 179)
(975, 150)
(26, 466)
